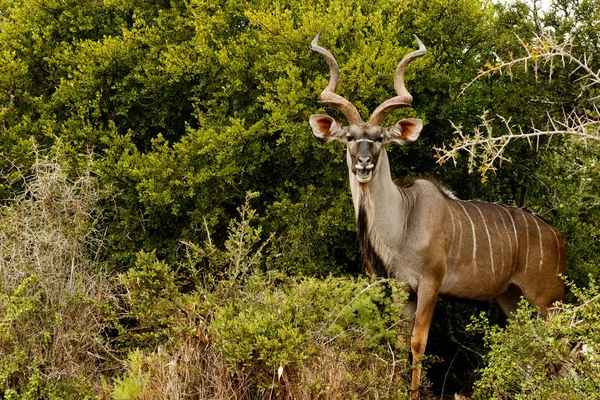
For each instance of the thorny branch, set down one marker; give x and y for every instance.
(485, 150)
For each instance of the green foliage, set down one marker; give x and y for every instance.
(193, 104)
(157, 299)
(273, 324)
(131, 385)
(535, 358)
(153, 298)
(271, 333)
(18, 307)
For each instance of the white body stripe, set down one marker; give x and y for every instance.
(461, 231)
(473, 229)
(557, 247)
(516, 239)
(453, 228)
(527, 236)
(487, 231)
(499, 233)
(505, 229)
(540, 236)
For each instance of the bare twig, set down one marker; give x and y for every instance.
(485, 149)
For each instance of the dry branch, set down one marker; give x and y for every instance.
(49, 251)
(485, 150)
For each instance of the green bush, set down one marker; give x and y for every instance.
(272, 324)
(153, 301)
(534, 358)
(256, 332)
(277, 324)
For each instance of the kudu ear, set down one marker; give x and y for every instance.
(326, 129)
(405, 131)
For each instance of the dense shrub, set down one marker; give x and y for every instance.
(289, 328)
(309, 338)
(259, 334)
(533, 358)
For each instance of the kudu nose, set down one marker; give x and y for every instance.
(364, 160)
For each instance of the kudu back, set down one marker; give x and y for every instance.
(423, 235)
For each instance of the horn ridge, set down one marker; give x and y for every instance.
(328, 96)
(403, 98)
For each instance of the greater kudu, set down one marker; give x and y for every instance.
(423, 235)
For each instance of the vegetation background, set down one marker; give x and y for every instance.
(170, 228)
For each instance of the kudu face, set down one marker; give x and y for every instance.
(365, 141)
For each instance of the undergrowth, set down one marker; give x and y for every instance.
(55, 297)
(219, 324)
(259, 334)
(536, 358)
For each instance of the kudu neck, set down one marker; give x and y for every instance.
(380, 193)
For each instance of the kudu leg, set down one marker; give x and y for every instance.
(509, 300)
(405, 324)
(426, 298)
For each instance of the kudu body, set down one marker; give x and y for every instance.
(425, 236)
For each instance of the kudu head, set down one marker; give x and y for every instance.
(364, 141)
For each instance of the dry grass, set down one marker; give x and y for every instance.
(193, 372)
(334, 376)
(53, 289)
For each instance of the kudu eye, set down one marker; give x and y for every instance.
(380, 139)
(349, 138)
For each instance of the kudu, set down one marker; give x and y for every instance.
(423, 235)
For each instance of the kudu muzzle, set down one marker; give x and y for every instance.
(363, 168)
